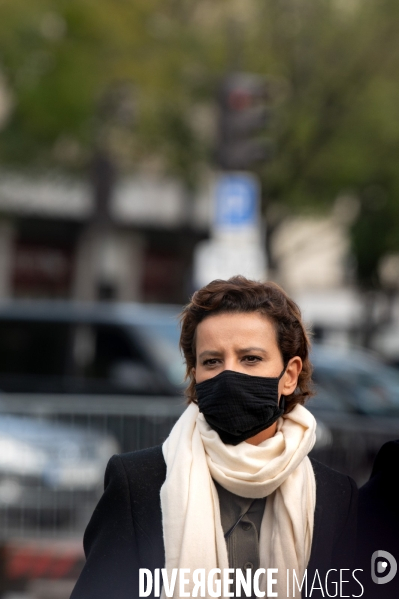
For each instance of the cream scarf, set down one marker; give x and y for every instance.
(277, 468)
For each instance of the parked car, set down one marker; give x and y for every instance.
(108, 367)
(357, 398)
(48, 471)
(82, 348)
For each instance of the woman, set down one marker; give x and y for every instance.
(232, 485)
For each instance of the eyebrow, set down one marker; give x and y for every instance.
(249, 349)
(244, 350)
(209, 352)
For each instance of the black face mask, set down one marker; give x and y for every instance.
(238, 406)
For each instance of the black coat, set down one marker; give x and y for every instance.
(379, 519)
(125, 531)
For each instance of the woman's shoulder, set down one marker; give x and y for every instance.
(325, 472)
(140, 470)
(151, 457)
(334, 488)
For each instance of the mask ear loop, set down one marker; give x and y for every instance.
(282, 372)
(281, 404)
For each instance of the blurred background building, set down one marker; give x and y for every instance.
(54, 246)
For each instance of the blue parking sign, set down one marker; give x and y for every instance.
(236, 202)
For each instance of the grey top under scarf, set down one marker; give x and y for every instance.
(243, 541)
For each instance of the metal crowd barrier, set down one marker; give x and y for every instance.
(133, 423)
(41, 521)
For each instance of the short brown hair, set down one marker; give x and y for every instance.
(241, 295)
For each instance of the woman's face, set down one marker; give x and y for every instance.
(243, 342)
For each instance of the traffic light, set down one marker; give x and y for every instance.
(243, 114)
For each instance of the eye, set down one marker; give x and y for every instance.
(252, 359)
(210, 362)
